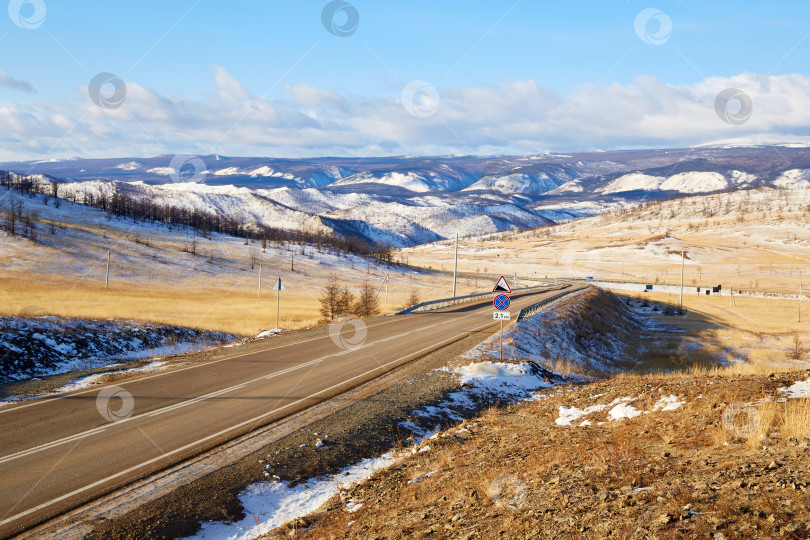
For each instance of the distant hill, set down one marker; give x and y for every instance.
(412, 200)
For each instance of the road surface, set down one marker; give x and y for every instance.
(57, 453)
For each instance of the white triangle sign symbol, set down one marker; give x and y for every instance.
(502, 286)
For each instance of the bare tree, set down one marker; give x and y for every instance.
(367, 304)
(414, 299)
(329, 299)
(335, 300)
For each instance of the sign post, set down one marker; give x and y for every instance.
(278, 286)
(502, 303)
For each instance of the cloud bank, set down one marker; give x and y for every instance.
(514, 117)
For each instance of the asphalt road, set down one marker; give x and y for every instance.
(57, 453)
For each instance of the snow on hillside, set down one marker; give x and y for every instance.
(633, 182)
(590, 331)
(442, 178)
(574, 186)
(686, 182)
(162, 171)
(404, 200)
(794, 179)
(574, 210)
(41, 346)
(129, 166)
(253, 173)
(695, 182)
(518, 183)
(430, 219)
(742, 179)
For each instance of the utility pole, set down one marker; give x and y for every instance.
(292, 262)
(800, 298)
(680, 307)
(384, 284)
(107, 278)
(259, 295)
(455, 267)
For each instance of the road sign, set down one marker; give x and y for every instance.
(501, 302)
(502, 286)
(502, 316)
(278, 285)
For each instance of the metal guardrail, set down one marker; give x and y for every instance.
(534, 308)
(446, 302)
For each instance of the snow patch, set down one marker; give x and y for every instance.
(668, 403)
(799, 389)
(271, 504)
(623, 410)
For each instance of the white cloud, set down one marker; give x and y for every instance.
(514, 117)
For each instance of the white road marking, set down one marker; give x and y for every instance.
(224, 431)
(169, 408)
(13, 408)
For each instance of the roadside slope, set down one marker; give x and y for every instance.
(659, 456)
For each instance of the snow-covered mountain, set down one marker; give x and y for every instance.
(412, 200)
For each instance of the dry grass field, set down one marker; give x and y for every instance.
(170, 276)
(757, 240)
(759, 334)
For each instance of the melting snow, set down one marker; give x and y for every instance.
(90, 380)
(623, 410)
(497, 376)
(571, 414)
(272, 504)
(668, 403)
(799, 389)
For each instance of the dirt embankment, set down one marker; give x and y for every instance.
(655, 456)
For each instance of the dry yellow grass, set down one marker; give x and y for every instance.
(670, 473)
(768, 419)
(796, 418)
(155, 277)
(760, 334)
(766, 250)
(232, 308)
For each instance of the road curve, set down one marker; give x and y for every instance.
(57, 453)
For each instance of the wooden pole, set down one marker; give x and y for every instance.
(680, 306)
(107, 278)
(259, 294)
(455, 267)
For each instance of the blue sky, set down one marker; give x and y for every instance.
(272, 80)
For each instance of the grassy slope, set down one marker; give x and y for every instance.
(154, 278)
(750, 240)
(515, 473)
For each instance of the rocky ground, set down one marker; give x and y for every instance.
(655, 456)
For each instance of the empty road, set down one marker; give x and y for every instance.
(59, 452)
